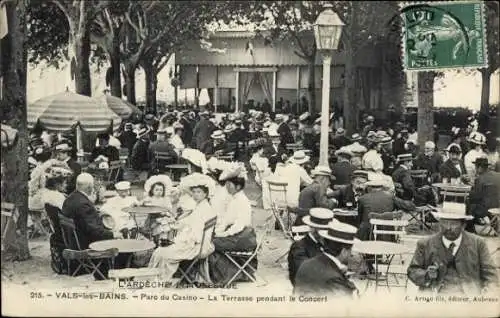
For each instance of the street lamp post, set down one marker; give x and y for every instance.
(327, 31)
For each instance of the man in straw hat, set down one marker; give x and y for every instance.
(216, 145)
(309, 246)
(484, 194)
(275, 148)
(325, 274)
(401, 176)
(62, 152)
(314, 195)
(340, 140)
(453, 260)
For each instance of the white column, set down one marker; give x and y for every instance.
(237, 91)
(274, 91)
(79, 142)
(325, 110)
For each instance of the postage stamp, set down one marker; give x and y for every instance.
(443, 35)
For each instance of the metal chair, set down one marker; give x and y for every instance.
(398, 231)
(242, 260)
(420, 177)
(229, 156)
(279, 205)
(84, 258)
(456, 192)
(201, 258)
(162, 159)
(113, 173)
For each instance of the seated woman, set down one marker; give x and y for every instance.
(190, 229)
(122, 221)
(233, 231)
(156, 193)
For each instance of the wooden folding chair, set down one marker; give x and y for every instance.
(84, 258)
(398, 230)
(113, 173)
(456, 193)
(229, 156)
(162, 159)
(279, 204)
(201, 258)
(7, 220)
(420, 177)
(242, 260)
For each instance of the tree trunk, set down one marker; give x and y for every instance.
(350, 105)
(82, 70)
(485, 90)
(116, 80)
(311, 85)
(150, 82)
(129, 74)
(425, 116)
(14, 161)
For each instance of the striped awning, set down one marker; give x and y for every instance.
(120, 107)
(63, 111)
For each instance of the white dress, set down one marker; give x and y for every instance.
(187, 242)
(236, 217)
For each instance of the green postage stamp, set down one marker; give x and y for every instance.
(443, 35)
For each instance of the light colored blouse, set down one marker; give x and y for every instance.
(176, 141)
(236, 217)
(52, 197)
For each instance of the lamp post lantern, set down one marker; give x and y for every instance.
(327, 31)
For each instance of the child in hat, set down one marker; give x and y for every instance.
(121, 221)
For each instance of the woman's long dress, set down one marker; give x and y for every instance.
(234, 232)
(187, 243)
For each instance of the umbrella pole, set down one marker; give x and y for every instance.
(79, 141)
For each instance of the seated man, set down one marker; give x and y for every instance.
(314, 195)
(310, 245)
(429, 160)
(402, 178)
(80, 207)
(342, 169)
(453, 261)
(377, 201)
(485, 193)
(215, 145)
(103, 148)
(324, 274)
(348, 196)
(453, 167)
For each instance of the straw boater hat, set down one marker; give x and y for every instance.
(299, 157)
(142, 132)
(339, 232)
(218, 134)
(279, 117)
(340, 131)
(355, 137)
(122, 186)
(304, 116)
(360, 174)
(452, 211)
(321, 171)
(477, 138)
(344, 152)
(229, 128)
(318, 218)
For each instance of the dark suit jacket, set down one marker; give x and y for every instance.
(161, 146)
(485, 193)
(286, 134)
(202, 131)
(340, 141)
(313, 196)
(208, 148)
(321, 276)
(432, 164)
(76, 169)
(378, 202)
(473, 262)
(109, 152)
(187, 133)
(343, 172)
(269, 151)
(346, 195)
(448, 170)
(402, 176)
(300, 251)
(88, 223)
(139, 159)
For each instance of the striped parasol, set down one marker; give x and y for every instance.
(122, 108)
(61, 112)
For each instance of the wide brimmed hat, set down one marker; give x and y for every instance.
(321, 171)
(356, 137)
(357, 149)
(339, 232)
(304, 116)
(62, 146)
(454, 148)
(122, 186)
(229, 128)
(344, 152)
(299, 157)
(195, 180)
(161, 178)
(477, 138)
(452, 211)
(195, 157)
(318, 218)
(232, 170)
(218, 134)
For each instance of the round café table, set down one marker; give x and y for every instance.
(128, 246)
(144, 209)
(452, 187)
(379, 248)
